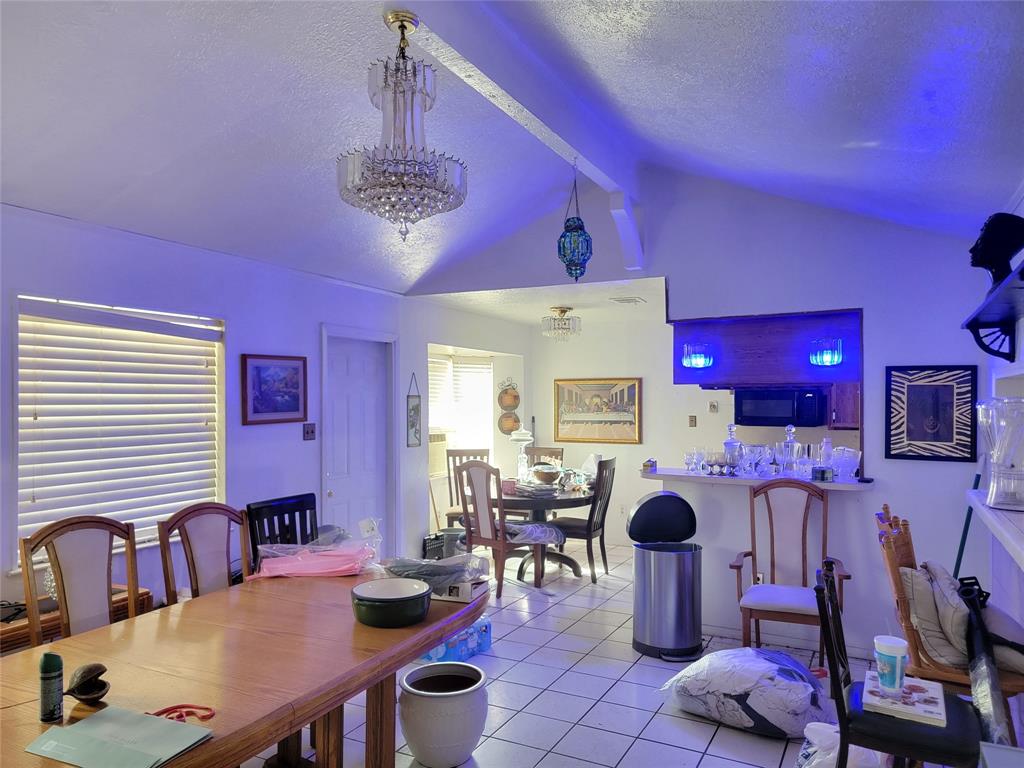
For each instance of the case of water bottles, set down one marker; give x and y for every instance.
(465, 644)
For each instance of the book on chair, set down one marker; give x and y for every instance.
(921, 700)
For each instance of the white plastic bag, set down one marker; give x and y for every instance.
(821, 750)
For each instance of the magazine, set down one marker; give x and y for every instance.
(920, 700)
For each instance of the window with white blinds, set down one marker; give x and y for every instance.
(474, 399)
(439, 394)
(117, 414)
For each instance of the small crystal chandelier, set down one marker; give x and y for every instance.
(400, 179)
(559, 326)
(574, 245)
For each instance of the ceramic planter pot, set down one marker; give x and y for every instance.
(442, 709)
(391, 603)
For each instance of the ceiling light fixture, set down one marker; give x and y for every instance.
(574, 245)
(400, 179)
(559, 325)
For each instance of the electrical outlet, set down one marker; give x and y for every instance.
(693, 421)
(712, 406)
(309, 431)
(759, 579)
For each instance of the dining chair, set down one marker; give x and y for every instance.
(453, 458)
(897, 545)
(205, 531)
(80, 550)
(593, 526)
(483, 510)
(785, 595)
(540, 455)
(956, 744)
(286, 520)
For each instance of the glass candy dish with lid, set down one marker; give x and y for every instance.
(1001, 423)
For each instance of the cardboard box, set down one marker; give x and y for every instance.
(463, 592)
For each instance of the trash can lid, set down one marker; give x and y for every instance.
(661, 516)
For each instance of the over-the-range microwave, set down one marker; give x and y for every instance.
(779, 406)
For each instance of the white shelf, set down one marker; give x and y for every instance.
(677, 474)
(1007, 526)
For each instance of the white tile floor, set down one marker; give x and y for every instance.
(567, 689)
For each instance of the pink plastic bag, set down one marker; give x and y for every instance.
(317, 562)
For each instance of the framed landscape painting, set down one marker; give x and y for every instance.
(597, 410)
(273, 389)
(930, 412)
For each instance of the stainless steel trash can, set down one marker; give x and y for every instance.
(666, 600)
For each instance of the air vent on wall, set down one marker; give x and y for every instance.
(628, 300)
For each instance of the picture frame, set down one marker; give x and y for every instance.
(413, 421)
(273, 389)
(413, 415)
(607, 410)
(929, 412)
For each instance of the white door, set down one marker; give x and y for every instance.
(355, 433)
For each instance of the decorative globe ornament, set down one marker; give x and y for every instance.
(574, 245)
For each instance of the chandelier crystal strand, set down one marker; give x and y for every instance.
(401, 179)
(559, 325)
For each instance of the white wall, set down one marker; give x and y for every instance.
(266, 309)
(425, 321)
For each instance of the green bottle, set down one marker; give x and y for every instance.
(51, 688)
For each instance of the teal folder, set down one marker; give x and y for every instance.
(118, 738)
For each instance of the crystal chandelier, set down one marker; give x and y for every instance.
(559, 325)
(401, 179)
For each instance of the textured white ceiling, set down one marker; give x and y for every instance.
(591, 301)
(217, 124)
(909, 111)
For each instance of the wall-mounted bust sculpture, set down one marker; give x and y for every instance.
(1001, 238)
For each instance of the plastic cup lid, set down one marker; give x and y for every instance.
(894, 646)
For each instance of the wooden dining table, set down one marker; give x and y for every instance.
(269, 656)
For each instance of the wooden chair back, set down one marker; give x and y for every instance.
(602, 496)
(481, 503)
(788, 503)
(834, 640)
(897, 547)
(453, 458)
(287, 520)
(205, 531)
(535, 455)
(81, 551)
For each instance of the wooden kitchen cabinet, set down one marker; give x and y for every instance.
(844, 405)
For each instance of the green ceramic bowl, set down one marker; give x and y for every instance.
(391, 603)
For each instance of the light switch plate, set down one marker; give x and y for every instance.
(309, 431)
(693, 421)
(712, 406)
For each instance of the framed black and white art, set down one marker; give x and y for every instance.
(929, 412)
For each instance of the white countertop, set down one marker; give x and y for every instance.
(677, 474)
(1007, 526)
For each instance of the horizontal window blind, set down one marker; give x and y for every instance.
(473, 398)
(117, 416)
(439, 393)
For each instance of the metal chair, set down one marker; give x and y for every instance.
(955, 745)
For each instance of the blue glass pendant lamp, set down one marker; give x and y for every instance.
(574, 245)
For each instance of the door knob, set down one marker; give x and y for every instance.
(330, 494)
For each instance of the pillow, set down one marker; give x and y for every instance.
(953, 615)
(923, 615)
(765, 692)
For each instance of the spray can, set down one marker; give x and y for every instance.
(51, 688)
